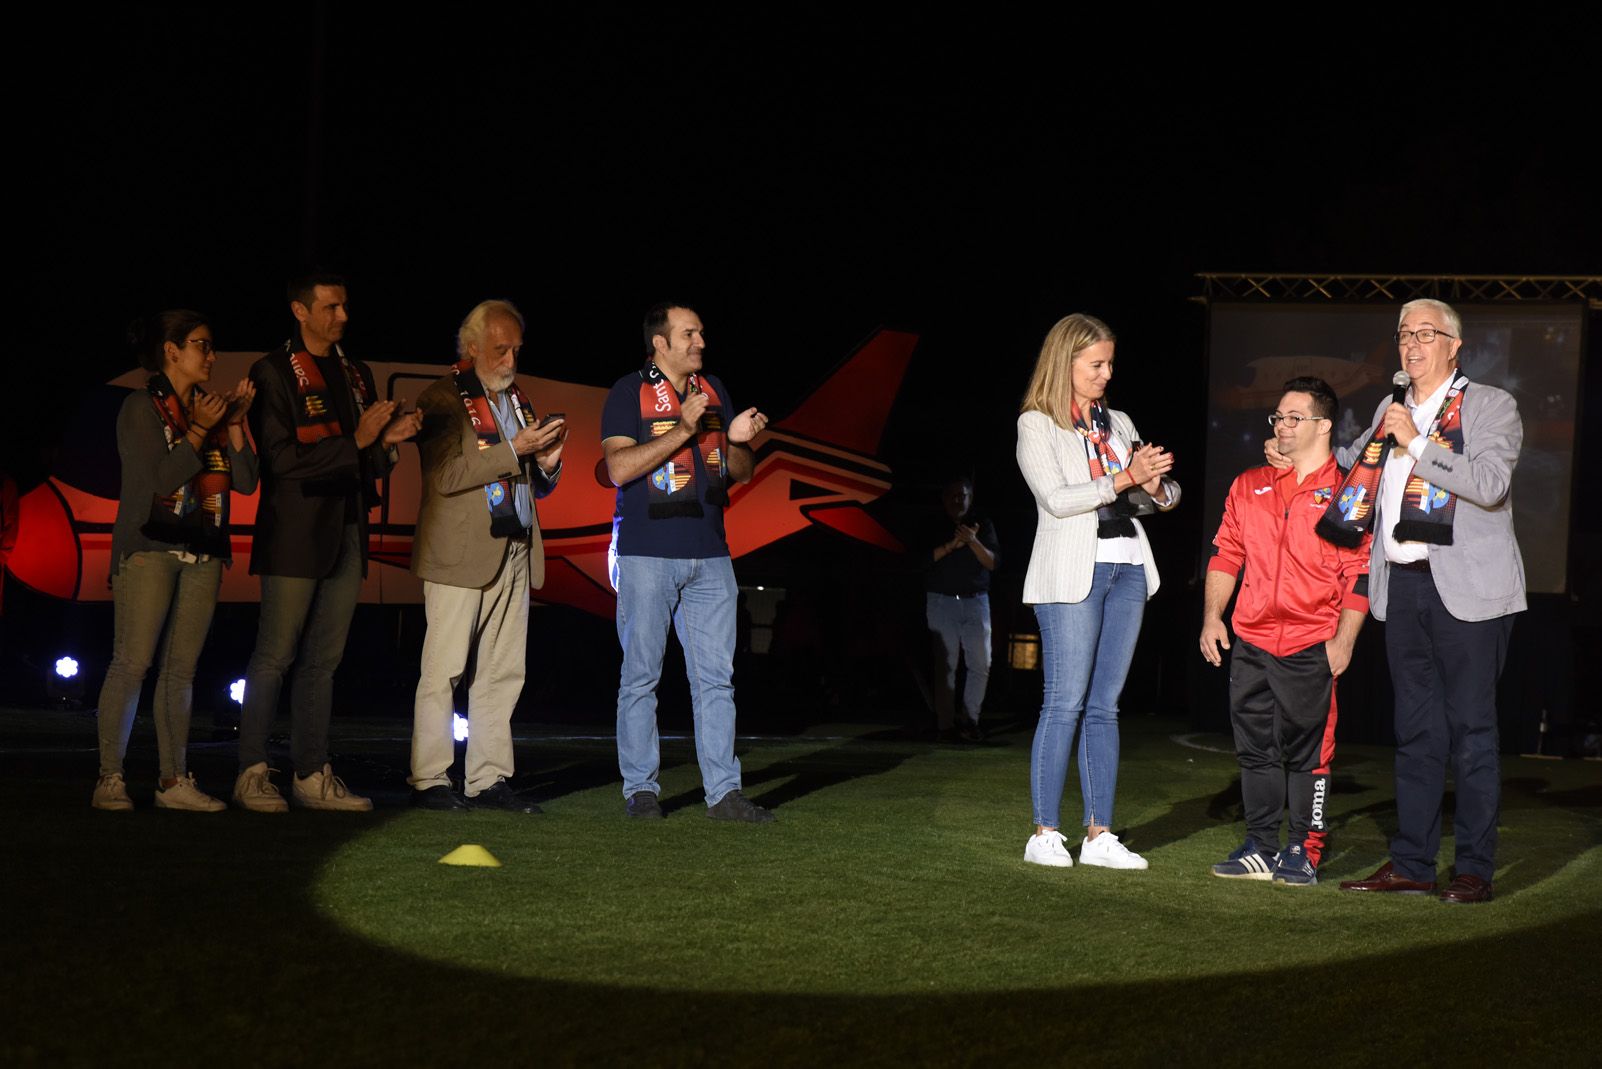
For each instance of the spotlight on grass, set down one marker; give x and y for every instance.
(459, 727)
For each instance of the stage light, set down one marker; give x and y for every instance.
(64, 683)
(459, 726)
(236, 691)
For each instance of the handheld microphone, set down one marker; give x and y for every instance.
(1399, 384)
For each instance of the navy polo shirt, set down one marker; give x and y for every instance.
(635, 532)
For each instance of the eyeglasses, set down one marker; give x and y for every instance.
(203, 344)
(1292, 421)
(1424, 336)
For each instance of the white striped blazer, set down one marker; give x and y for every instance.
(1055, 466)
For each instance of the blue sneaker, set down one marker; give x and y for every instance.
(1294, 869)
(1250, 862)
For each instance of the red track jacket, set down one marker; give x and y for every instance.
(1296, 584)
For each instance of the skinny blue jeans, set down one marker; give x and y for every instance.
(697, 598)
(1086, 648)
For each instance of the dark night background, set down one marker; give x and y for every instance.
(801, 179)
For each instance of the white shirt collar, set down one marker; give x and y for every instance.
(1433, 401)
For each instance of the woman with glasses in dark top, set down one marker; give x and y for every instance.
(184, 451)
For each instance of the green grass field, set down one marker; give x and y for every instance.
(887, 917)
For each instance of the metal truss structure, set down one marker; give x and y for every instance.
(1465, 289)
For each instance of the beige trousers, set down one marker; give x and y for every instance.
(494, 622)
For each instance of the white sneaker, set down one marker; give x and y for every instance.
(1105, 851)
(187, 796)
(111, 793)
(1048, 848)
(324, 790)
(254, 790)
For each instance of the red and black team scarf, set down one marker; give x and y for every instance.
(501, 496)
(1426, 510)
(1097, 431)
(1350, 516)
(315, 418)
(195, 515)
(673, 485)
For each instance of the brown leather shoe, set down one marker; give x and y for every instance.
(1386, 879)
(1467, 889)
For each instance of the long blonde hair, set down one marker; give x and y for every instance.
(1051, 387)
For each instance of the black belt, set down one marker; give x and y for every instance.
(1413, 566)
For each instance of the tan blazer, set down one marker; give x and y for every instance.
(453, 544)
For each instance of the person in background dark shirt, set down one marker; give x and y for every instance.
(957, 600)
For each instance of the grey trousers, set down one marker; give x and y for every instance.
(303, 623)
(961, 627)
(156, 598)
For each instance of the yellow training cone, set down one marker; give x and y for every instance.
(471, 854)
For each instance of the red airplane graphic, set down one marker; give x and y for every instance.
(814, 466)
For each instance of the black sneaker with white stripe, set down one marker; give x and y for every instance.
(1250, 862)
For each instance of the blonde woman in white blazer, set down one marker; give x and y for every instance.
(1089, 577)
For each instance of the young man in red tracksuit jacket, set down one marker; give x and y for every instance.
(1301, 605)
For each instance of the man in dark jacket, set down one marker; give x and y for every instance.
(324, 438)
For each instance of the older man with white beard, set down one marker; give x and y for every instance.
(486, 458)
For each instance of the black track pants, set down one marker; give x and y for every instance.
(1283, 712)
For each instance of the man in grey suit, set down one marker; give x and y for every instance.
(1446, 577)
(485, 459)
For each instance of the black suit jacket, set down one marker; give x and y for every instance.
(308, 492)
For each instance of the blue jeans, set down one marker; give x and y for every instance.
(961, 627)
(303, 622)
(157, 598)
(697, 598)
(1087, 647)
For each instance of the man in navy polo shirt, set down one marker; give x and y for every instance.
(672, 451)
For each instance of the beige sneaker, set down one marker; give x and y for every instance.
(187, 796)
(324, 790)
(111, 794)
(254, 790)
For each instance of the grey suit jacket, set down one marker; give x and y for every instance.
(1480, 576)
(453, 544)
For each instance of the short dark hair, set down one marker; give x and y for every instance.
(656, 321)
(1325, 403)
(303, 287)
(953, 478)
(149, 337)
